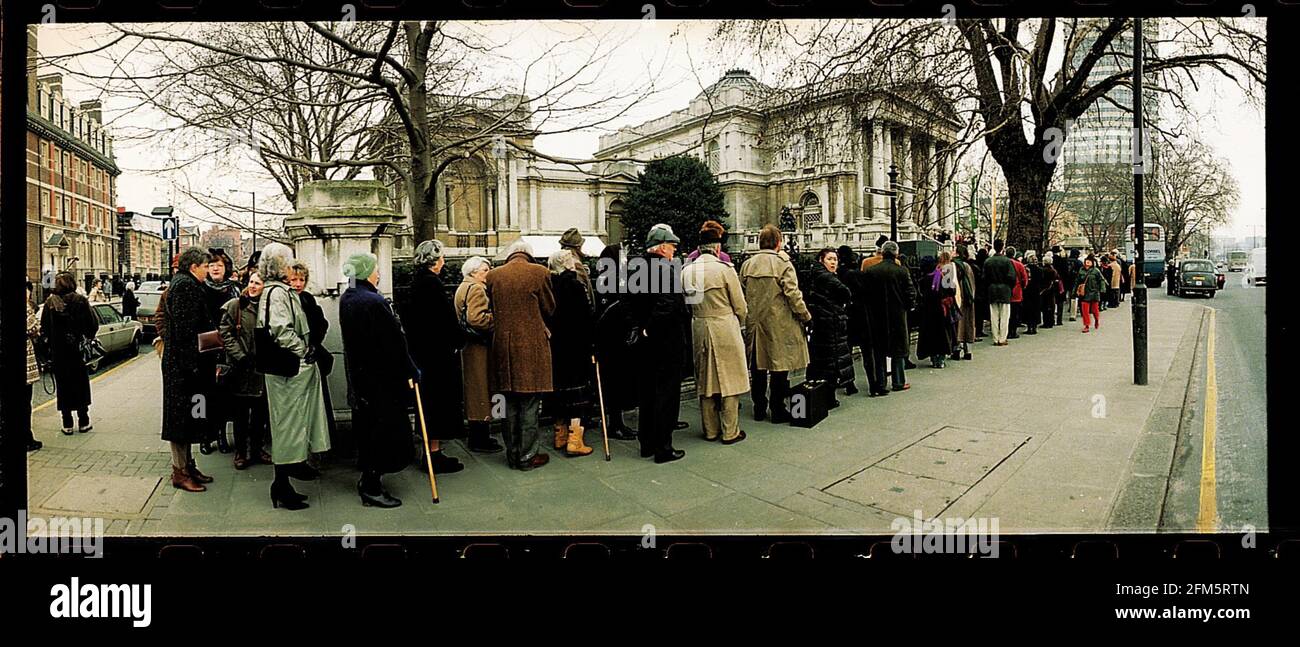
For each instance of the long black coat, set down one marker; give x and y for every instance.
(890, 295)
(434, 338)
(571, 328)
(186, 372)
(859, 323)
(65, 322)
(378, 366)
(829, 355)
(1031, 298)
(935, 335)
(665, 354)
(613, 324)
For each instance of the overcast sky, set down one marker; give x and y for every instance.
(672, 54)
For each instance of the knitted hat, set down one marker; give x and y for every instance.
(360, 266)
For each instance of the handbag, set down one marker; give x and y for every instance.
(210, 341)
(268, 356)
(471, 333)
(1079, 290)
(91, 350)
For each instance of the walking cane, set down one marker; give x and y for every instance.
(600, 394)
(428, 459)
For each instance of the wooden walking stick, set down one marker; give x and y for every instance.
(600, 395)
(428, 459)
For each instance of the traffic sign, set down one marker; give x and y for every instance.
(169, 229)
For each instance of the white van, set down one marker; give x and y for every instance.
(1255, 269)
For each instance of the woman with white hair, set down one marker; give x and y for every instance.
(572, 329)
(435, 337)
(1049, 291)
(1030, 312)
(299, 425)
(474, 310)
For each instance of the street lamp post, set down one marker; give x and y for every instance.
(1139, 227)
(893, 203)
(254, 195)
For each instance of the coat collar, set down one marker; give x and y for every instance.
(520, 257)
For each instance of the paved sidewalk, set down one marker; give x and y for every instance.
(1045, 434)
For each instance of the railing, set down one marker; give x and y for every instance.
(471, 240)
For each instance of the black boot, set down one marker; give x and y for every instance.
(444, 464)
(282, 492)
(481, 440)
(302, 471)
(780, 391)
(618, 430)
(758, 390)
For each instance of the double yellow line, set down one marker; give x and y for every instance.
(1207, 518)
(97, 378)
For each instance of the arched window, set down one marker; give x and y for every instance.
(712, 155)
(811, 207)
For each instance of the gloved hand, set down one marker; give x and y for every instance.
(310, 357)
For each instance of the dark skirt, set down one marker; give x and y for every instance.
(383, 436)
(442, 394)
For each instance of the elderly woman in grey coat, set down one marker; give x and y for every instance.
(299, 424)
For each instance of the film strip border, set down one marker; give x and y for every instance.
(1282, 546)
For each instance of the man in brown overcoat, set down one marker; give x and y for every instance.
(520, 359)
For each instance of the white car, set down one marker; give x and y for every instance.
(116, 333)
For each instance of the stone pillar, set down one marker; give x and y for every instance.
(336, 219)
(886, 144)
(932, 182)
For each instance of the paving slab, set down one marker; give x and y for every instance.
(104, 495)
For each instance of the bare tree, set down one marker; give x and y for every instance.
(1021, 82)
(320, 101)
(1194, 191)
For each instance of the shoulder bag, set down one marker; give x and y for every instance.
(471, 333)
(268, 356)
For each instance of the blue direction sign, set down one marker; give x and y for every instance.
(169, 229)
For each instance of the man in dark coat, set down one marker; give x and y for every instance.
(1030, 308)
(1001, 278)
(859, 324)
(658, 308)
(380, 371)
(435, 339)
(188, 376)
(890, 295)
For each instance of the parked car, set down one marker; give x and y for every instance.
(144, 313)
(1196, 275)
(117, 334)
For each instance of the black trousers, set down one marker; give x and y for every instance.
(660, 403)
(758, 388)
(1014, 324)
(875, 381)
(252, 422)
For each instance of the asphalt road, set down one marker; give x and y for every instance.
(1240, 427)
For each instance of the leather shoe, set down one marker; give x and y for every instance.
(681, 424)
(903, 388)
(444, 464)
(623, 433)
(199, 477)
(538, 460)
(382, 499)
(739, 437)
(759, 413)
(670, 456)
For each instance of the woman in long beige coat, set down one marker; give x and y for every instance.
(774, 338)
(474, 309)
(718, 312)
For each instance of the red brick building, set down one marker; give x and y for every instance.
(71, 180)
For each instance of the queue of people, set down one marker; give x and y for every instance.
(536, 339)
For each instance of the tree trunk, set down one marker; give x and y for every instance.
(1027, 189)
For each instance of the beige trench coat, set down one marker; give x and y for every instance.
(718, 312)
(774, 339)
(471, 298)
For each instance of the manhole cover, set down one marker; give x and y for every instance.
(109, 495)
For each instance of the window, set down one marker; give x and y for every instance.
(45, 205)
(711, 155)
(108, 314)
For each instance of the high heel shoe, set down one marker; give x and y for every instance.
(287, 498)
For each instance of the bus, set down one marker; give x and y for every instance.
(1153, 266)
(1238, 260)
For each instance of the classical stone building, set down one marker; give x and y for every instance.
(823, 152)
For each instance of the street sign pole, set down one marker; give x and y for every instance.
(1139, 228)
